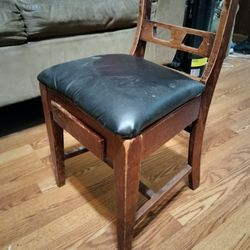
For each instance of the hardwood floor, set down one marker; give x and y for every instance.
(35, 214)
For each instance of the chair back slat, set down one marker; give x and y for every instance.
(177, 38)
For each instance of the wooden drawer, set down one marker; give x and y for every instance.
(85, 135)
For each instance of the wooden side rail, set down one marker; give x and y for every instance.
(160, 196)
(75, 152)
(146, 191)
(163, 130)
(177, 39)
(86, 136)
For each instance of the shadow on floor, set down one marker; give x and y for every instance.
(95, 181)
(19, 116)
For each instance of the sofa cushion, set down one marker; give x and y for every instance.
(55, 18)
(12, 30)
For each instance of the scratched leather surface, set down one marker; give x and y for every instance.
(123, 93)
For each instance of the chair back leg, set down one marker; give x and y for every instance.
(194, 153)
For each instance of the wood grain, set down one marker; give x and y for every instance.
(35, 214)
(79, 130)
(177, 39)
(126, 155)
(56, 140)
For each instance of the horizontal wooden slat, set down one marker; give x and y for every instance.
(87, 137)
(146, 191)
(178, 34)
(75, 152)
(160, 196)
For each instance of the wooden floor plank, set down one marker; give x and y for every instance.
(15, 154)
(197, 230)
(234, 233)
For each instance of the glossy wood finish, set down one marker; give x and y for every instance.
(210, 78)
(35, 214)
(126, 155)
(139, 46)
(89, 138)
(210, 75)
(75, 152)
(55, 134)
(127, 162)
(177, 39)
(163, 130)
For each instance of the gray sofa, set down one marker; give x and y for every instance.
(35, 34)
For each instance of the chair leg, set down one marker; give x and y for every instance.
(126, 171)
(55, 134)
(194, 153)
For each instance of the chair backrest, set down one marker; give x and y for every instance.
(214, 46)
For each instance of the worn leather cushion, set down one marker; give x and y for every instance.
(54, 18)
(12, 29)
(125, 94)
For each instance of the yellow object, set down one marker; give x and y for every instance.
(199, 62)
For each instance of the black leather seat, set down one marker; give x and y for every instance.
(124, 93)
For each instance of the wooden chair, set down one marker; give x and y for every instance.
(122, 108)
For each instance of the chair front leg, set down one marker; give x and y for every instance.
(55, 135)
(126, 171)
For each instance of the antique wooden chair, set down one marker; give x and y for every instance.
(122, 108)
